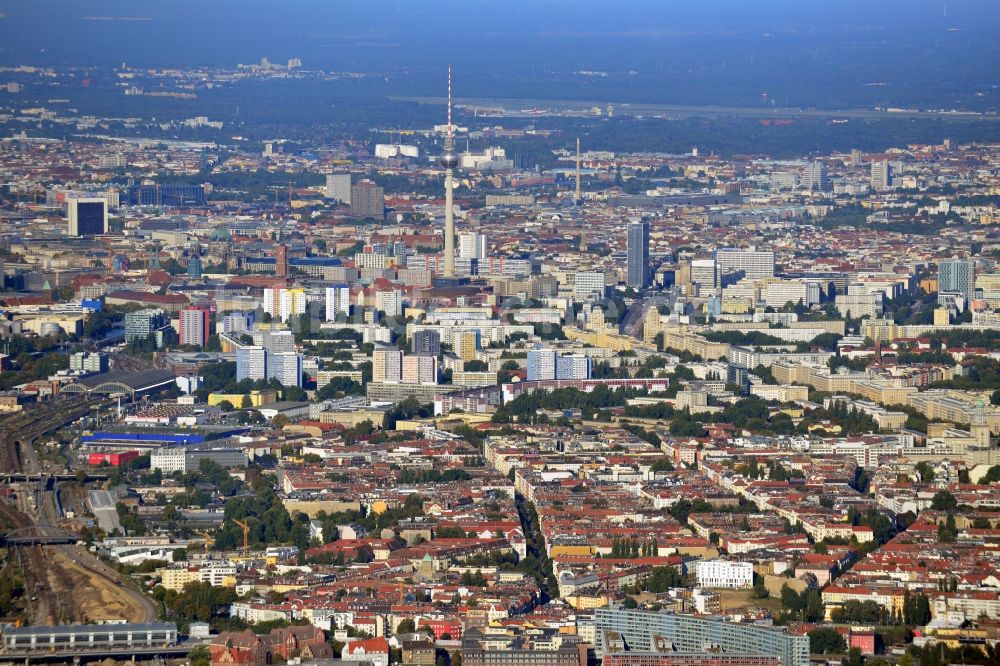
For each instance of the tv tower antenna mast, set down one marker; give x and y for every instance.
(449, 160)
(578, 196)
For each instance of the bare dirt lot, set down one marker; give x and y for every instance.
(72, 586)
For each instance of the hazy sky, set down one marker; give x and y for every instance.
(374, 33)
(841, 52)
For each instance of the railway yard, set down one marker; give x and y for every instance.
(64, 583)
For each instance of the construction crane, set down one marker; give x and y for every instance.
(208, 538)
(246, 535)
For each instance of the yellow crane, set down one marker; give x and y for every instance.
(246, 535)
(208, 538)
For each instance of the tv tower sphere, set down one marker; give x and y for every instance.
(448, 159)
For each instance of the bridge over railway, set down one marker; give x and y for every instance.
(10, 477)
(38, 535)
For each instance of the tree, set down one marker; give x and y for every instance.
(824, 640)
(407, 626)
(247, 402)
(944, 501)
(854, 657)
(200, 656)
(992, 475)
(279, 421)
(925, 470)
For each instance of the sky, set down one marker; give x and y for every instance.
(507, 47)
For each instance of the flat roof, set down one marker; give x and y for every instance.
(137, 381)
(88, 628)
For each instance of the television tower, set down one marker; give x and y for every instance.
(449, 160)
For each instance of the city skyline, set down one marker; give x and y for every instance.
(499, 333)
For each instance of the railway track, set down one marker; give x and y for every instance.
(65, 582)
(18, 431)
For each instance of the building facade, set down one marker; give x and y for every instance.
(637, 630)
(638, 255)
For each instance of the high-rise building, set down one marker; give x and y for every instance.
(283, 303)
(815, 177)
(545, 364)
(87, 217)
(472, 246)
(573, 366)
(88, 362)
(140, 324)
(705, 274)
(338, 301)
(420, 369)
(464, 344)
(367, 200)
(587, 284)
(237, 322)
(691, 634)
(286, 367)
(426, 342)
(338, 187)
(638, 254)
(292, 303)
(278, 342)
(193, 323)
(738, 262)
(881, 175)
(856, 157)
(723, 573)
(251, 362)
(390, 302)
(957, 276)
(541, 364)
(387, 365)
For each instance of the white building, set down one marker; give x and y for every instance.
(753, 263)
(881, 175)
(286, 367)
(389, 302)
(385, 151)
(705, 274)
(862, 304)
(184, 460)
(370, 260)
(292, 303)
(284, 303)
(472, 246)
(589, 283)
(491, 158)
(251, 362)
(338, 301)
(191, 326)
(779, 292)
(721, 573)
(573, 366)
